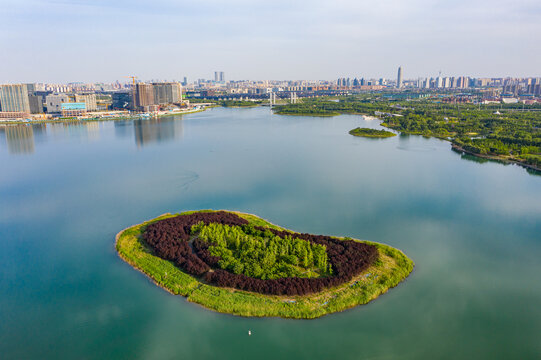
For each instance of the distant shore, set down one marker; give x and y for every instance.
(102, 118)
(501, 159)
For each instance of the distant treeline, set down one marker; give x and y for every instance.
(226, 103)
(327, 107)
(238, 103)
(169, 238)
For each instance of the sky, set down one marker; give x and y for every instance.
(60, 41)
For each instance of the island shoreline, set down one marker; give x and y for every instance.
(286, 304)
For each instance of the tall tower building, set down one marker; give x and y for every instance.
(222, 77)
(463, 82)
(216, 76)
(36, 104)
(144, 95)
(14, 98)
(399, 78)
(167, 93)
(446, 82)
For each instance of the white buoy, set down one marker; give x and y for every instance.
(249, 332)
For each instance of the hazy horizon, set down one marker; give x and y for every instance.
(62, 41)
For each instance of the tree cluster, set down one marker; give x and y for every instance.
(260, 254)
(368, 132)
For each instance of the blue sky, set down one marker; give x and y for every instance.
(97, 40)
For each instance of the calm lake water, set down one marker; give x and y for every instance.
(473, 230)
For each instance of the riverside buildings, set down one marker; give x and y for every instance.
(149, 97)
(30, 101)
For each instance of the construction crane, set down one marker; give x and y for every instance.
(133, 90)
(133, 79)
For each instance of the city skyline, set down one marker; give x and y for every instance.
(247, 40)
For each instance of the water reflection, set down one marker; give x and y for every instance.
(40, 132)
(407, 142)
(75, 130)
(21, 139)
(123, 128)
(150, 131)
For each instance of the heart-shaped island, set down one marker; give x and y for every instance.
(240, 264)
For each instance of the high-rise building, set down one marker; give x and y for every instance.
(533, 86)
(14, 98)
(222, 77)
(447, 82)
(185, 81)
(463, 82)
(216, 76)
(36, 104)
(399, 78)
(152, 95)
(144, 96)
(167, 93)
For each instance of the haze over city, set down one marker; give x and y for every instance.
(83, 40)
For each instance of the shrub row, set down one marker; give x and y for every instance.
(169, 239)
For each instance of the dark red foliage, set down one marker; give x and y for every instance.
(169, 239)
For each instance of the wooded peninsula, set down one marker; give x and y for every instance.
(503, 132)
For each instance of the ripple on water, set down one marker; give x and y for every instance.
(416, 148)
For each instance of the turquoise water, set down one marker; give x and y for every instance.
(473, 230)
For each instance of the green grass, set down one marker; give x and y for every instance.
(391, 268)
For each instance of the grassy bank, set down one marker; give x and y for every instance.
(391, 268)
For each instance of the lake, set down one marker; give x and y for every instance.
(472, 228)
